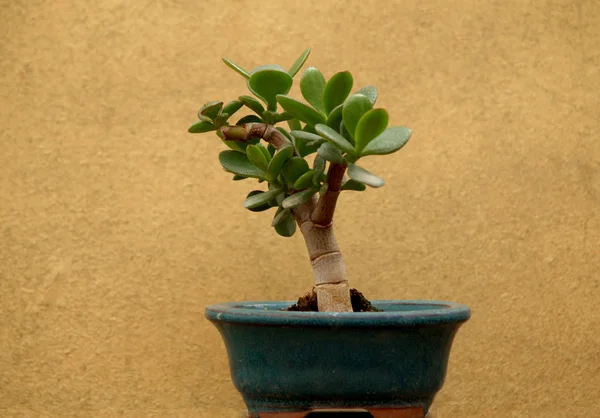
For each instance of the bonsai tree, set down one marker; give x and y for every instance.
(338, 127)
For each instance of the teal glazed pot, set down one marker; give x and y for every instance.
(285, 361)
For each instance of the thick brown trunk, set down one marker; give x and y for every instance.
(333, 293)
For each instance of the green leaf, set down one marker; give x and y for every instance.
(319, 169)
(370, 92)
(353, 185)
(299, 63)
(221, 119)
(294, 124)
(282, 117)
(344, 132)
(391, 140)
(202, 126)
(335, 117)
(232, 107)
(370, 126)
(286, 225)
(331, 153)
(236, 68)
(305, 180)
(310, 129)
(249, 119)
(237, 177)
(363, 176)
(300, 111)
(279, 159)
(257, 200)
(210, 109)
(269, 81)
(298, 198)
(354, 108)
(269, 117)
(312, 85)
(253, 104)
(279, 215)
(336, 90)
(256, 157)
(293, 169)
(262, 207)
(238, 163)
(285, 133)
(335, 138)
(306, 136)
(265, 152)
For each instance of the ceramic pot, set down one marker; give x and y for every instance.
(287, 364)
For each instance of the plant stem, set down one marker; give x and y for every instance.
(248, 131)
(323, 213)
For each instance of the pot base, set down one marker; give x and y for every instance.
(401, 412)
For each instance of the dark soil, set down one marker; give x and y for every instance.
(308, 303)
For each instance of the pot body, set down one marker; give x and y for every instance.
(293, 361)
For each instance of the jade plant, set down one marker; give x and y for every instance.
(305, 166)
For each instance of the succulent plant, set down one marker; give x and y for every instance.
(338, 126)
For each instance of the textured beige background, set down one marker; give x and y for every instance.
(118, 228)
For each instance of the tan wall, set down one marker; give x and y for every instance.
(118, 228)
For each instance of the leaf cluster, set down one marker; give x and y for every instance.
(339, 126)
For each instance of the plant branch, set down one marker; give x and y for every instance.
(323, 213)
(248, 131)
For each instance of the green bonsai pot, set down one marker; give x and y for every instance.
(283, 361)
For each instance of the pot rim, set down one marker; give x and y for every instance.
(397, 313)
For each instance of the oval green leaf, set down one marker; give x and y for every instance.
(210, 109)
(331, 153)
(363, 176)
(353, 185)
(293, 169)
(238, 163)
(337, 90)
(279, 159)
(286, 225)
(335, 138)
(354, 108)
(201, 127)
(306, 136)
(371, 125)
(319, 168)
(259, 208)
(267, 83)
(305, 180)
(265, 152)
(256, 156)
(335, 117)
(253, 104)
(298, 198)
(300, 110)
(299, 63)
(236, 68)
(249, 119)
(257, 200)
(370, 92)
(312, 85)
(232, 107)
(294, 124)
(284, 116)
(390, 140)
